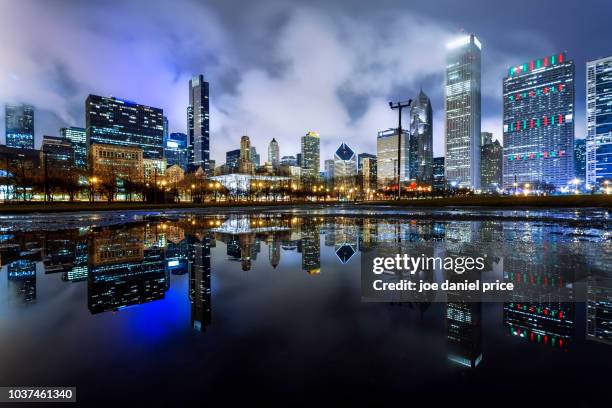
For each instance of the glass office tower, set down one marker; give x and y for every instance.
(198, 115)
(462, 108)
(599, 123)
(119, 122)
(539, 123)
(78, 137)
(19, 126)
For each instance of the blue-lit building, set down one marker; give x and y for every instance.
(176, 150)
(599, 122)
(580, 159)
(539, 123)
(232, 158)
(78, 137)
(58, 153)
(119, 122)
(198, 113)
(19, 126)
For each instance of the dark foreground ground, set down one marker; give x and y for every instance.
(570, 201)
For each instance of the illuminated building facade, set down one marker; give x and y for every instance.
(580, 159)
(19, 126)
(386, 157)
(491, 161)
(78, 137)
(118, 122)
(57, 153)
(176, 150)
(345, 162)
(274, 153)
(462, 108)
(599, 122)
(198, 117)
(120, 161)
(421, 140)
(311, 156)
(439, 179)
(539, 122)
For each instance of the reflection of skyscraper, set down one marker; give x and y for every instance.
(199, 285)
(311, 247)
(463, 332)
(462, 106)
(22, 275)
(274, 250)
(599, 309)
(122, 272)
(536, 275)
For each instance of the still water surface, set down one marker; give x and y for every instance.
(206, 307)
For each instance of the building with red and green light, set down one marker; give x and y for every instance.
(539, 123)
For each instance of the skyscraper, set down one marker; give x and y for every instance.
(78, 137)
(245, 165)
(491, 160)
(369, 172)
(274, 153)
(599, 122)
(19, 126)
(462, 108)
(255, 157)
(439, 179)
(539, 123)
(311, 145)
(176, 150)
(386, 155)
(580, 159)
(329, 169)
(198, 123)
(232, 159)
(119, 122)
(421, 140)
(345, 162)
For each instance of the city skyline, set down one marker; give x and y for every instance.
(342, 110)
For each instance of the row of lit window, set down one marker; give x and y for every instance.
(540, 155)
(537, 92)
(535, 123)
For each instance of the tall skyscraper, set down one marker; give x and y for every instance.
(599, 122)
(78, 137)
(580, 159)
(386, 155)
(273, 153)
(369, 172)
(491, 160)
(198, 113)
(119, 122)
(19, 126)
(232, 160)
(539, 123)
(462, 108)
(255, 157)
(421, 140)
(345, 162)
(245, 165)
(329, 169)
(176, 150)
(439, 178)
(311, 147)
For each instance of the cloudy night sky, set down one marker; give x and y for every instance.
(280, 68)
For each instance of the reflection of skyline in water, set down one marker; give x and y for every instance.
(131, 265)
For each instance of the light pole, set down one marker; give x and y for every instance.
(399, 106)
